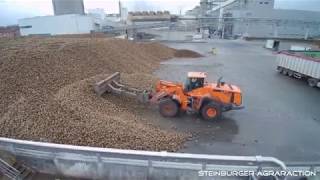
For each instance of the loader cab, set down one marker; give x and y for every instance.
(194, 80)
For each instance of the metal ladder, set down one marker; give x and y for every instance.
(16, 171)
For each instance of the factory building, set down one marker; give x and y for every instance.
(57, 25)
(258, 18)
(69, 18)
(61, 7)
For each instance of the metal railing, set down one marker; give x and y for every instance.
(92, 162)
(7, 170)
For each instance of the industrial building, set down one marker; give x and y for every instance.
(69, 18)
(57, 25)
(256, 18)
(61, 7)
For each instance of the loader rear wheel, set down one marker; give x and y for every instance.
(211, 111)
(168, 108)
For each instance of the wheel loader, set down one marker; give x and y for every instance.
(195, 96)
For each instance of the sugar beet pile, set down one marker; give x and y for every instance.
(46, 92)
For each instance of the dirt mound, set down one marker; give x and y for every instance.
(184, 53)
(46, 92)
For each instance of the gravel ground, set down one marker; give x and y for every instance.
(46, 92)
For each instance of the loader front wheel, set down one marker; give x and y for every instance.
(211, 111)
(168, 108)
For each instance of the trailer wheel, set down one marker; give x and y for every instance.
(312, 82)
(284, 71)
(290, 73)
(280, 69)
(211, 111)
(168, 108)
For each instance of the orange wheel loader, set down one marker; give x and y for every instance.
(195, 96)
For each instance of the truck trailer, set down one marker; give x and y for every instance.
(300, 64)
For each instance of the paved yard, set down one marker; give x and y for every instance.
(282, 115)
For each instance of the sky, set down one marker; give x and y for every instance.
(12, 10)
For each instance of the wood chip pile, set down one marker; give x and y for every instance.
(46, 92)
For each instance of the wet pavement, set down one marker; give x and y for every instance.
(282, 114)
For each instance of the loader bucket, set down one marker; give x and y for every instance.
(103, 86)
(112, 85)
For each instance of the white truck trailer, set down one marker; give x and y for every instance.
(301, 65)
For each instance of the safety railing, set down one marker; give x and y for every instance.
(7, 170)
(92, 162)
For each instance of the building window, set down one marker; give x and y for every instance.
(260, 2)
(266, 2)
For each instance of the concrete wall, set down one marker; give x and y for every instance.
(56, 25)
(258, 18)
(255, 21)
(281, 14)
(283, 29)
(258, 4)
(171, 35)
